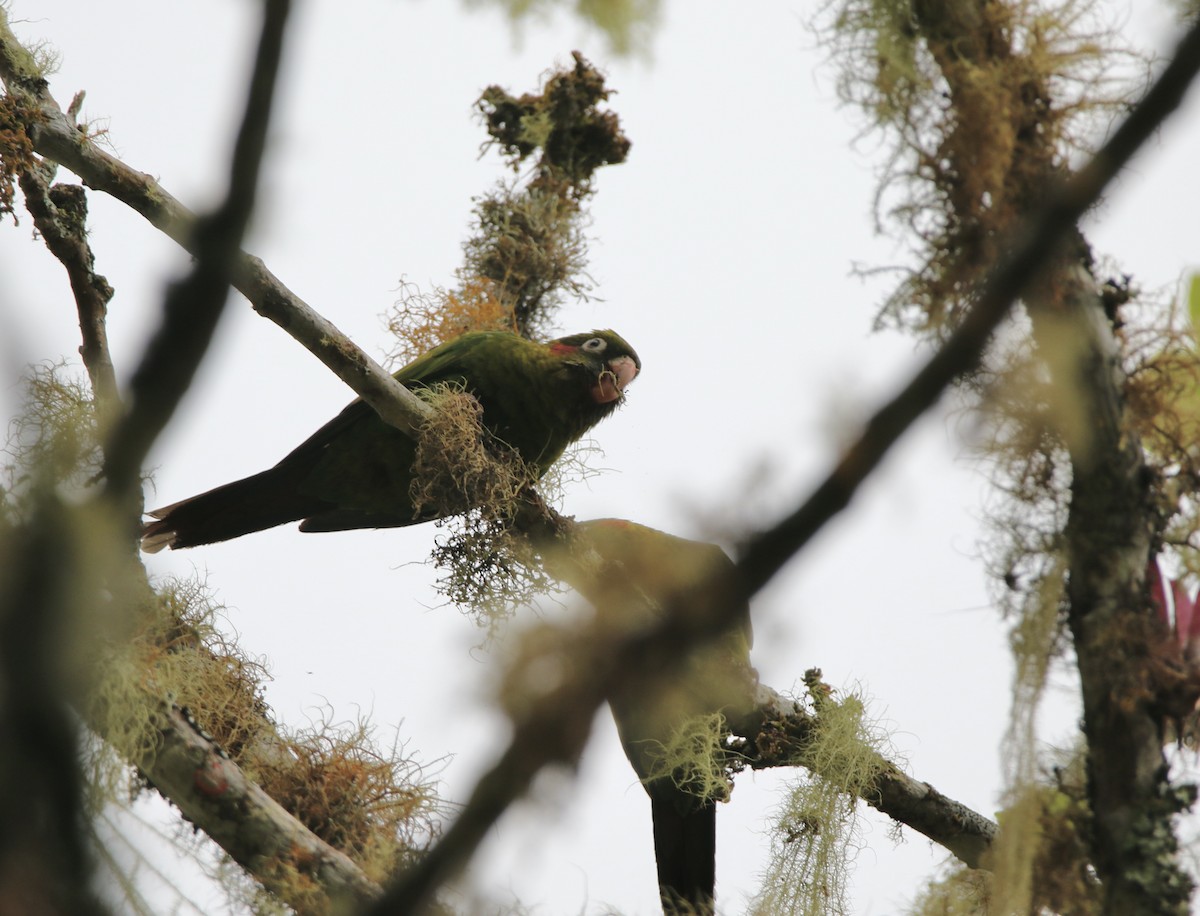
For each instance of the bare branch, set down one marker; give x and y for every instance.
(57, 139)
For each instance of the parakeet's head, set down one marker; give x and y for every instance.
(607, 359)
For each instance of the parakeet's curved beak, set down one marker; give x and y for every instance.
(614, 379)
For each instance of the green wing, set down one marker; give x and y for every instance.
(446, 362)
(360, 465)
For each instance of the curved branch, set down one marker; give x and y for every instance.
(193, 305)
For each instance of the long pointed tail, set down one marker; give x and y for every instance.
(685, 847)
(254, 503)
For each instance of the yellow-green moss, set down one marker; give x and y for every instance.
(474, 483)
(980, 113)
(376, 805)
(814, 833)
(695, 758)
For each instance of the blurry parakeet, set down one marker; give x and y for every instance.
(356, 471)
(652, 707)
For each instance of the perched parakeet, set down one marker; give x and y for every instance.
(651, 707)
(356, 471)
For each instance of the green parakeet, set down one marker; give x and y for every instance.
(652, 707)
(356, 471)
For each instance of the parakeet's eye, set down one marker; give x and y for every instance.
(595, 345)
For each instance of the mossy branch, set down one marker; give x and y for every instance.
(1029, 252)
(551, 724)
(780, 732)
(1114, 518)
(529, 243)
(213, 792)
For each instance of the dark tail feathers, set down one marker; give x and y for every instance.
(685, 847)
(254, 503)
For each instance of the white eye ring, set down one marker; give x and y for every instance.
(595, 345)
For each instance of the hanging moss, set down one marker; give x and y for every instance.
(52, 442)
(696, 758)
(475, 483)
(977, 125)
(814, 834)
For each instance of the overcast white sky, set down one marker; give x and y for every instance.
(722, 251)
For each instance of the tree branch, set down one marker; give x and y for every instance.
(60, 215)
(213, 793)
(57, 139)
(1113, 518)
(187, 768)
(780, 732)
(1110, 533)
(597, 659)
(1030, 252)
(194, 305)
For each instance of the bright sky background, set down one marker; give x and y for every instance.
(723, 251)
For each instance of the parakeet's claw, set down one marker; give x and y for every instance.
(606, 390)
(613, 380)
